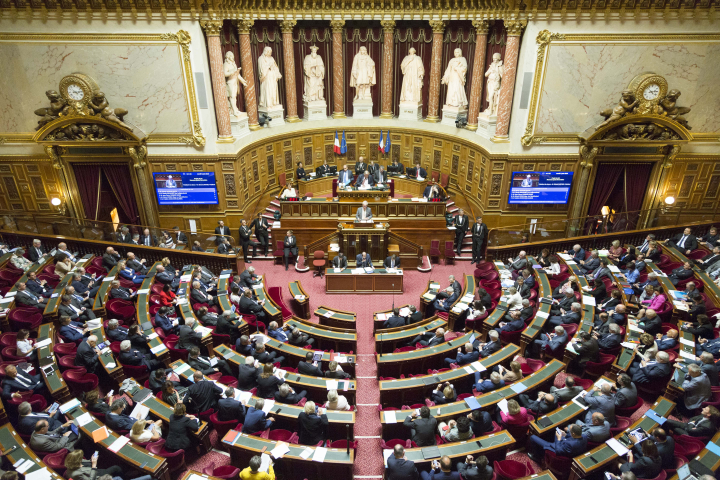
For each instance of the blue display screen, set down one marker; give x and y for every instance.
(186, 188)
(540, 187)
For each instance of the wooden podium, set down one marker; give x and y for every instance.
(356, 195)
(355, 238)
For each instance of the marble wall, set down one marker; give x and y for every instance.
(146, 79)
(581, 80)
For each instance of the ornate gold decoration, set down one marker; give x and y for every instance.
(515, 27)
(287, 26)
(672, 152)
(138, 154)
(244, 26)
(337, 25)
(588, 154)
(438, 26)
(482, 27)
(388, 26)
(211, 27)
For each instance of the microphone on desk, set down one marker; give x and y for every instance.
(347, 436)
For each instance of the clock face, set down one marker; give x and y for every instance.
(75, 92)
(651, 92)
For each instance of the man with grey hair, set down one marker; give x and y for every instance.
(697, 389)
(466, 358)
(554, 341)
(577, 253)
(132, 356)
(27, 419)
(491, 346)
(248, 278)
(457, 288)
(115, 332)
(187, 336)
(568, 392)
(653, 371)
(199, 296)
(573, 316)
(118, 420)
(598, 431)
(601, 400)
(707, 365)
(612, 339)
(364, 214)
(519, 263)
(286, 394)
(229, 408)
(36, 253)
(489, 384)
(591, 263)
(430, 339)
(626, 392)
(82, 286)
(87, 354)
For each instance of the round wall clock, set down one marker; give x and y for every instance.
(649, 89)
(78, 88)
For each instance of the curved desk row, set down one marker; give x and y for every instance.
(143, 315)
(8, 302)
(708, 458)
(317, 387)
(542, 312)
(103, 293)
(332, 317)
(9, 438)
(588, 312)
(327, 338)
(54, 382)
(456, 313)
(388, 339)
(395, 364)
(300, 298)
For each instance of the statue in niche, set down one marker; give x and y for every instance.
(454, 78)
(413, 74)
(314, 70)
(362, 75)
(494, 76)
(58, 105)
(232, 82)
(269, 75)
(627, 103)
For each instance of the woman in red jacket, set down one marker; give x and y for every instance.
(516, 414)
(167, 297)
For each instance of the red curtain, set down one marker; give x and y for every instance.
(607, 176)
(87, 178)
(637, 176)
(118, 175)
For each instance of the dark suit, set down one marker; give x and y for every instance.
(289, 247)
(109, 260)
(246, 241)
(538, 407)
(413, 172)
(255, 421)
(666, 450)
(461, 227)
(135, 358)
(389, 263)
(472, 472)
(202, 396)
(312, 428)
(394, 322)
(479, 232)
(28, 299)
(119, 422)
(360, 168)
(247, 377)
(379, 177)
(261, 232)
(414, 318)
(422, 430)
(187, 337)
(305, 368)
(117, 334)
(490, 348)
(221, 232)
(360, 181)
(400, 469)
(179, 429)
(121, 292)
(41, 291)
(251, 307)
(203, 364)
(149, 240)
(690, 242)
(300, 173)
(680, 274)
(230, 409)
(86, 357)
(609, 341)
(34, 254)
(322, 170)
(587, 351)
(23, 382)
(248, 279)
(359, 261)
(652, 373)
(339, 262)
(652, 326)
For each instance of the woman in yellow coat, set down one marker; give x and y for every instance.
(253, 471)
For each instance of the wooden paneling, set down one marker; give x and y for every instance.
(28, 184)
(694, 181)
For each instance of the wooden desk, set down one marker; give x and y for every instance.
(101, 297)
(116, 372)
(163, 411)
(456, 313)
(494, 446)
(329, 208)
(294, 355)
(339, 318)
(315, 386)
(315, 185)
(405, 391)
(190, 473)
(450, 411)
(409, 185)
(387, 340)
(143, 315)
(378, 318)
(428, 297)
(54, 382)
(54, 301)
(9, 302)
(355, 195)
(377, 282)
(706, 457)
(356, 238)
(130, 454)
(395, 364)
(583, 466)
(338, 463)
(327, 338)
(304, 304)
(542, 312)
(10, 438)
(287, 418)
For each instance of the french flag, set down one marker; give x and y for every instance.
(381, 144)
(340, 147)
(337, 144)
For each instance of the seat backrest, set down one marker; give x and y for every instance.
(318, 255)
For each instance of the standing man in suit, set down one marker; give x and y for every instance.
(202, 395)
(418, 172)
(363, 260)
(37, 252)
(422, 427)
(685, 242)
(261, 226)
(346, 177)
(289, 247)
(221, 231)
(246, 241)
(340, 261)
(87, 354)
(392, 261)
(300, 172)
(364, 214)
(461, 227)
(399, 467)
(360, 166)
(479, 232)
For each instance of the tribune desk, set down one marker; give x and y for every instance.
(54, 381)
(398, 184)
(333, 317)
(377, 282)
(355, 238)
(355, 194)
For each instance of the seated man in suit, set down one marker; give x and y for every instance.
(335, 371)
(709, 260)
(323, 169)
(310, 367)
(440, 469)
(562, 305)
(610, 340)
(198, 295)
(491, 346)
(685, 242)
(577, 253)
(597, 431)
(667, 341)
(87, 354)
(365, 180)
(681, 273)
(148, 239)
(248, 278)
(286, 394)
(37, 253)
(247, 374)
(17, 381)
(225, 248)
(263, 356)
(27, 298)
(207, 318)
(116, 291)
(601, 271)
(568, 392)
(345, 177)
(132, 356)
(396, 167)
(205, 364)
(703, 425)
(651, 322)
(39, 287)
(399, 467)
(601, 400)
(431, 191)
(78, 299)
(298, 338)
(518, 264)
(115, 332)
(300, 173)
(545, 403)
(625, 392)
(363, 260)
(229, 324)
(591, 263)
(445, 304)
(664, 444)
(417, 172)
(45, 440)
(110, 258)
(471, 355)
(395, 320)
(429, 339)
(364, 214)
(256, 420)
(137, 265)
(229, 408)
(87, 290)
(117, 420)
(564, 445)
(166, 277)
(340, 261)
(415, 315)
(250, 306)
(489, 384)
(27, 419)
(393, 261)
(422, 427)
(72, 331)
(187, 336)
(163, 320)
(587, 350)
(653, 372)
(380, 176)
(512, 322)
(554, 341)
(73, 308)
(573, 316)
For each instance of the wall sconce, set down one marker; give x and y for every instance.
(667, 203)
(58, 204)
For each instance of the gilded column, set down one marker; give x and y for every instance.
(222, 111)
(286, 26)
(59, 165)
(246, 61)
(587, 154)
(338, 69)
(478, 76)
(512, 49)
(438, 28)
(139, 154)
(386, 106)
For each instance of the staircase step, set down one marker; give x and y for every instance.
(450, 203)
(271, 209)
(275, 203)
(453, 209)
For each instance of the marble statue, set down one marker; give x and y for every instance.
(494, 76)
(362, 75)
(413, 73)
(314, 70)
(232, 81)
(269, 74)
(454, 78)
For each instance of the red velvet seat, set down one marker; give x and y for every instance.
(80, 382)
(688, 446)
(10, 354)
(120, 309)
(661, 476)
(280, 435)
(343, 444)
(485, 266)
(390, 444)
(318, 263)
(37, 402)
(621, 423)
(219, 339)
(25, 318)
(531, 365)
(275, 294)
(139, 372)
(279, 251)
(56, 461)
(68, 363)
(221, 427)
(449, 252)
(176, 353)
(599, 368)
(507, 338)
(434, 250)
(8, 339)
(628, 411)
(559, 466)
(489, 275)
(679, 462)
(520, 431)
(229, 381)
(63, 349)
(511, 469)
(224, 471)
(175, 460)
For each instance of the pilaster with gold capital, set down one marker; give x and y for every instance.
(222, 109)
(139, 154)
(507, 89)
(481, 28)
(386, 107)
(246, 62)
(286, 27)
(438, 28)
(59, 165)
(338, 26)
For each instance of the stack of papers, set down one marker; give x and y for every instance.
(328, 314)
(390, 416)
(300, 298)
(319, 455)
(404, 312)
(382, 316)
(305, 454)
(281, 448)
(66, 407)
(118, 444)
(269, 404)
